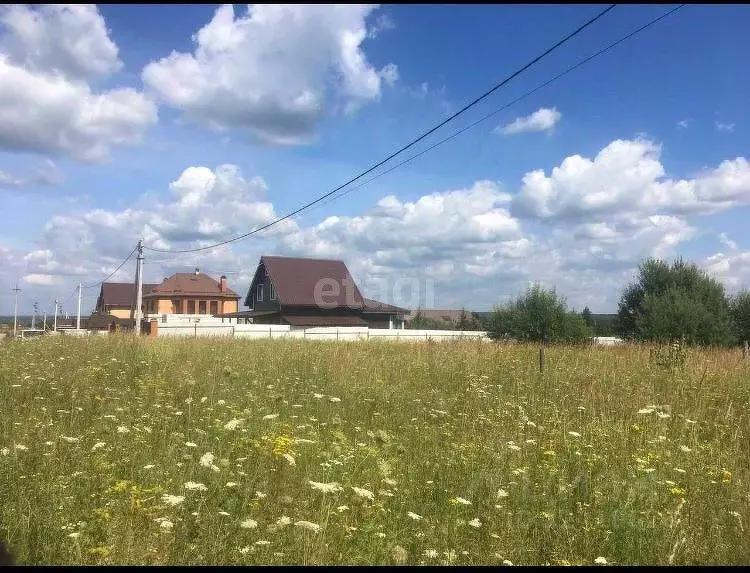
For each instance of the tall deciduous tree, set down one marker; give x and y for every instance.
(538, 315)
(677, 302)
(739, 307)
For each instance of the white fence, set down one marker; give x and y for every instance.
(317, 333)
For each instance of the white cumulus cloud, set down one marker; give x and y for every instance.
(48, 56)
(628, 176)
(543, 119)
(273, 69)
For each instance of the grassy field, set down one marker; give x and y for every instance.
(123, 451)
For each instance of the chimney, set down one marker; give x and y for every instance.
(197, 270)
(223, 284)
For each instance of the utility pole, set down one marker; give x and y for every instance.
(44, 322)
(15, 311)
(78, 320)
(139, 288)
(33, 316)
(56, 307)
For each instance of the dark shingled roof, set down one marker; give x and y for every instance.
(377, 306)
(119, 294)
(200, 284)
(294, 280)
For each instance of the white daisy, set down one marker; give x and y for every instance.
(172, 499)
(364, 493)
(332, 487)
(307, 525)
(233, 424)
(193, 486)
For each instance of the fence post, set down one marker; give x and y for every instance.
(337, 334)
(541, 359)
(269, 332)
(746, 350)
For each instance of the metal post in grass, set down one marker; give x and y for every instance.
(746, 350)
(269, 332)
(541, 359)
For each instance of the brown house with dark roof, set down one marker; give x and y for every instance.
(313, 292)
(118, 299)
(191, 293)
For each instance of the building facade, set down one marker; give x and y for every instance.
(313, 292)
(191, 293)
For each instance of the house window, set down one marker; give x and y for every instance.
(272, 291)
(260, 293)
(191, 307)
(177, 306)
(202, 307)
(214, 307)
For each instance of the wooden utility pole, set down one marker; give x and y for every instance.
(138, 315)
(541, 359)
(78, 318)
(15, 311)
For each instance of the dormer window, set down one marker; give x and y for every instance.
(260, 293)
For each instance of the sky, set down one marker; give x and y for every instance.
(185, 125)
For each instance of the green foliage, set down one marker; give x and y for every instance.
(677, 302)
(671, 357)
(605, 456)
(739, 308)
(538, 315)
(586, 314)
(422, 322)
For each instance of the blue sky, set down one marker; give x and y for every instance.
(185, 125)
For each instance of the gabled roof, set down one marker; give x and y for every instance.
(120, 294)
(295, 280)
(193, 284)
(377, 306)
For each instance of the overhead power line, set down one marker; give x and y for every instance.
(506, 106)
(113, 272)
(471, 104)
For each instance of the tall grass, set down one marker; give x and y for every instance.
(462, 453)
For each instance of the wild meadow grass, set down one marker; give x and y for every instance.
(124, 451)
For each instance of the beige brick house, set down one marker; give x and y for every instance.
(191, 293)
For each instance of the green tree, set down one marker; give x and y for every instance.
(677, 302)
(422, 322)
(586, 314)
(739, 308)
(538, 315)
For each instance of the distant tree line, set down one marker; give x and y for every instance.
(664, 303)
